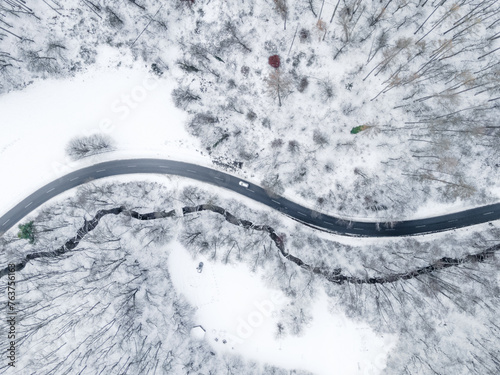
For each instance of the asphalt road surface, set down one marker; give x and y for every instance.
(304, 215)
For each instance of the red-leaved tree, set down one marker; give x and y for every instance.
(274, 61)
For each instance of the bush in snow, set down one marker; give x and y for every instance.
(304, 35)
(277, 143)
(293, 146)
(320, 138)
(80, 147)
(304, 82)
(182, 97)
(251, 115)
(245, 70)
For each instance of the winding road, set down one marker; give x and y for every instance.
(304, 215)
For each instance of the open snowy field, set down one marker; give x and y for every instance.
(240, 314)
(129, 104)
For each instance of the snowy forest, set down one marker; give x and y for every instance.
(419, 77)
(372, 110)
(119, 312)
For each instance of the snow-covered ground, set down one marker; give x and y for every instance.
(134, 108)
(124, 100)
(408, 161)
(240, 314)
(130, 104)
(382, 65)
(238, 305)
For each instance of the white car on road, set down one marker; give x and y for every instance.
(244, 184)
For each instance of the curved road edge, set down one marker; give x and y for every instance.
(299, 213)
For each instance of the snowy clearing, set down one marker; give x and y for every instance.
(130, 105)
(234, 305)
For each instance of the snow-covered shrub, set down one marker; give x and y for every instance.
(320, 138)
(304, 82)
(183, 96)
(245, 70)
(277, 143)
(293, 146)
(81, 147)
(251, 115)
(304, 35)
(200, 121)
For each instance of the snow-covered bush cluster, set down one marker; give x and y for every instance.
(84, 146)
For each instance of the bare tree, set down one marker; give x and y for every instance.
(282, 9)
(279, 86)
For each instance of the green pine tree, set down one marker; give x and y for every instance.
(27, 232)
